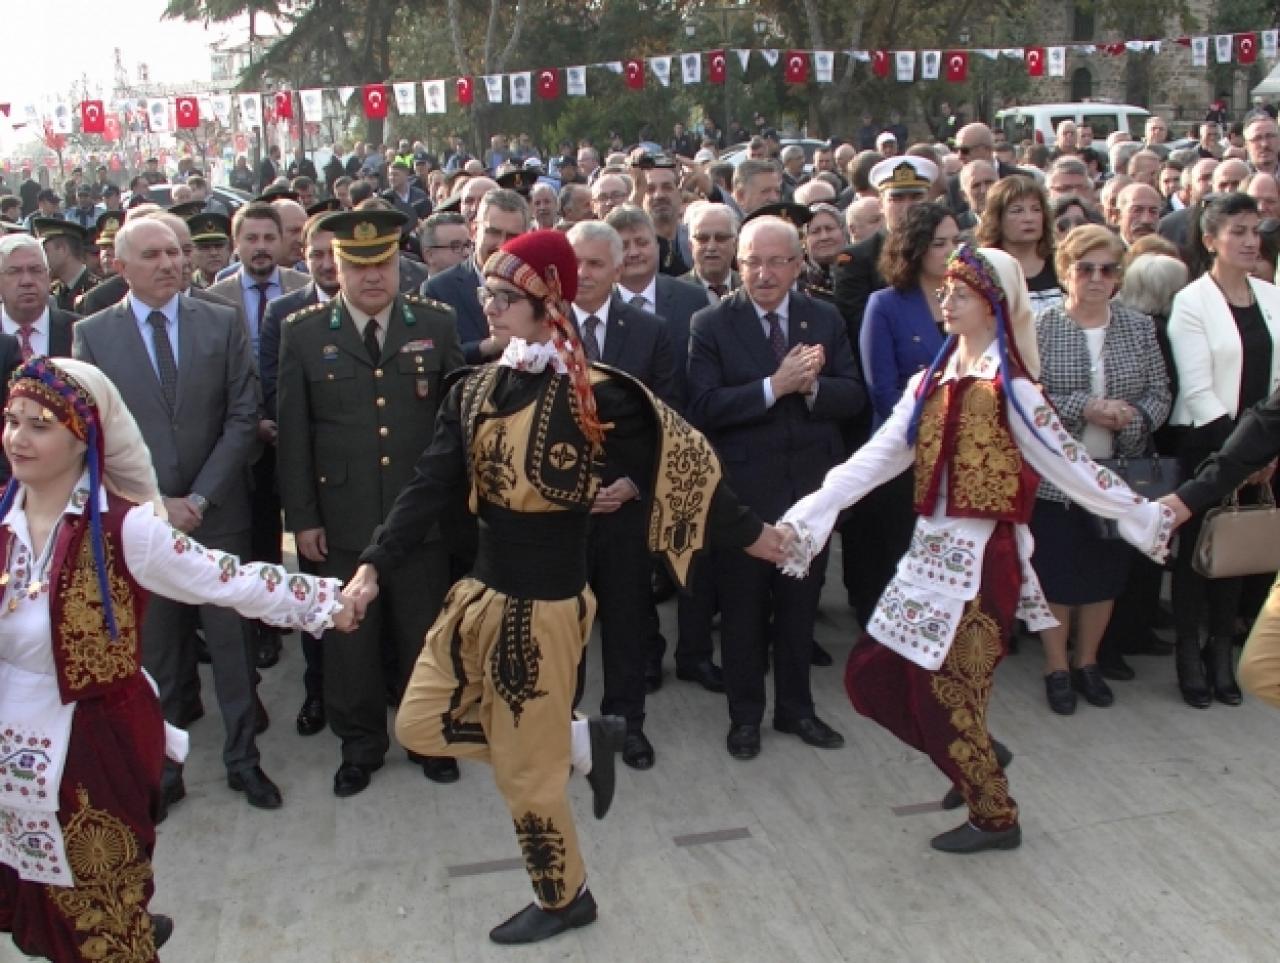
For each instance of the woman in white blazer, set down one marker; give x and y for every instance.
(1224, 330)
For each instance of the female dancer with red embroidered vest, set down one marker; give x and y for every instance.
(980, 435)
(82, 738)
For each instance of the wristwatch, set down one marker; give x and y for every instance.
(199, 501)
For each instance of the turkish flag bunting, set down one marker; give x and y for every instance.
(284, 105)
(716, 70)
(187, 111)
(548, 83)
(1115, 49)
(957, 66)
(375, 101)
(633, 70)
(1035, 61)
(92, 118)
(1246, 47)
(797, 69)
(465, 87)
(880, 63)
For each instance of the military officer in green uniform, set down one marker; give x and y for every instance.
(361, 377)
(64, 248)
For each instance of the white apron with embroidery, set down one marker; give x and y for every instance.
(920, 610)
(35, 726)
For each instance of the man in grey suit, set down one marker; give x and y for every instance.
(259, 236)
(184, 369)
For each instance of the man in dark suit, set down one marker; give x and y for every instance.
(318, 247)
(25, 312)
(618, 563)
(713, 234)
(360, 379)
(674, 301)
(184, 369)
(771, 379)
(502, 215)
(409, 200)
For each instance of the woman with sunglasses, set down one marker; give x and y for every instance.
(980, 435)
(1101, 367)
(1017, 220)
(1225, 334)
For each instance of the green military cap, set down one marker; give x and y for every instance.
(518, 179)
(365, 237)
(796, 214)
(50, 227)
(324, 207)
(187, 209)
(209, 226)
(276, 194)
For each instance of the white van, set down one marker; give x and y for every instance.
(1039, 122)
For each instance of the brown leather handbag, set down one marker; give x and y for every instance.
(1239, 539)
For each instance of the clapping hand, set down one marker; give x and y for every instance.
(798, 370)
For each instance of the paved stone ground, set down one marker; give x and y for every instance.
(1151, 833)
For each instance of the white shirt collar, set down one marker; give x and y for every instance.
(142, 311)
(782, 310)
(602, 314)
(40, 325)
(16, 519)
(986, 367)
(650, 294)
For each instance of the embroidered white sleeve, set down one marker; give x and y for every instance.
(881, 459)
(1145, 525)
(165, 561)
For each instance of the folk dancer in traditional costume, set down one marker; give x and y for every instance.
(82, 738)
(522, 440)
(980, 435)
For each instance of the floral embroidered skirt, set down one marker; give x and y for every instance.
(107, 798)
(944, 713)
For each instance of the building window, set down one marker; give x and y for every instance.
(1081, 84)
(1081, 22)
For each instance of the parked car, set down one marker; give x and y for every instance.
(162, 194)
(737, 153)
(1039, 122)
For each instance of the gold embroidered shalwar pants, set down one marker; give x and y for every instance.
(1259, 670)
(495, 682)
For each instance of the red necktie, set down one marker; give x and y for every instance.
(24, 341)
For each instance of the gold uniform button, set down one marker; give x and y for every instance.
(381, 402)
(323, 479)
(385, 461)
(417, 359)
(377, 372)
(384, 431)
(329, 376)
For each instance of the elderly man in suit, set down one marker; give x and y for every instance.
(184, 369)
(361, 377)
(25, 312)
(619, 567)
(260, 240)
(713, 234)
(502, 215)
(324, 286)
(771, 378)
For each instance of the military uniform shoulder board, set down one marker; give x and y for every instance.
(306, 312)
(426, 302)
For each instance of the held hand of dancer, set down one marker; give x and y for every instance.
(345, 621)
(770, 546)
(360, 591)
(1262, 476)
(182, 515)
(1180, 510)
(267, 431)
(612, 497)
(312, 544)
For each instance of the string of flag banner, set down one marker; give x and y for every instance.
(519, 88)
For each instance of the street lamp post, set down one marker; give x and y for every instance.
(721, 16)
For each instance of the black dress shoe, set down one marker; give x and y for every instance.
(970, 839)
(269, 646)
(706, 673)
(653, 676)
(1088, 681)
(819, 656)
(812, 731)
(1192, 683)
(441, 769)
(264, 721)
(352, 778)
(1116, 669)
(534, 924)
(260, 791)
(637, 751)
(1057, 689)
(608, 734)
(953, 799)
(744, 741)
(1219, 671)
(161, 928)
(311, 718)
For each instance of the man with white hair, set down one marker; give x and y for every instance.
(771, 370)
(1198, 179)
(1263, 189)
(713, 236)
(1121, 154)
(1144, 167)
(976, 180)
(609, 191)
(1229, 175)
(864, 217)
(1139, 212)
(26, 315)
(814, 192)
(792, 158)
(543, 201)
(618, 562)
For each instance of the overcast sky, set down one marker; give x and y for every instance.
(54, 42)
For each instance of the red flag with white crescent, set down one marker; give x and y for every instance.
(465, 87)
(375, 101)
(880, 63)
(1246, 47)
(548, 83)
(633, 71)
(957, 66)
(717, 68)
(1035, 61)
(797, 69)
(187, 112)
(284, 105)
(93, 120)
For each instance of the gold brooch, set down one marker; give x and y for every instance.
(364, 232)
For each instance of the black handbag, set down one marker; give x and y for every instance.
(1149, 475)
